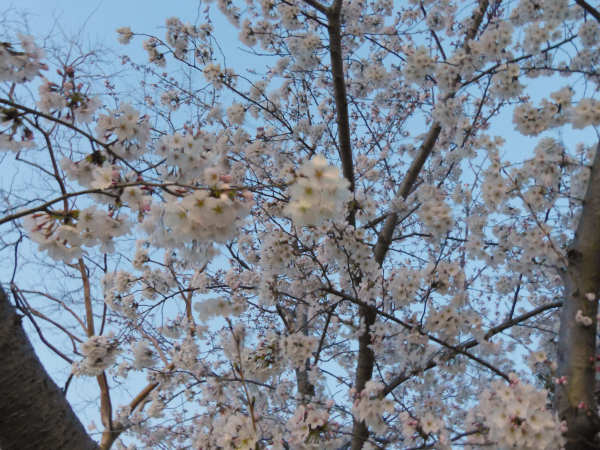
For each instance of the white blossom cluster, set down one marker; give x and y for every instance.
(506, 82)
(19, 66)
(370, 408)
(125, 35)
(318, 193)
(299, 348)
(450, 113)
(517, 417)
(419, 65)
(90, 227)
(214, 74)
(191, 154)
(434, 212)
(200, 216)
(303, 48)
(219, 306)
(236, 432)
(131, 131)
(54, 98)
(272, 264)
(144, 357)
(311, 428)
(100, 353)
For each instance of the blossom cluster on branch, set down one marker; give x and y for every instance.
(333, 249)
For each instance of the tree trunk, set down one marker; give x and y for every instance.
(34, 413)
(575, 401)
(305, 387)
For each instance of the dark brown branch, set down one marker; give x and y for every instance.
(385, 237)
(515, 299)
(110, 436)
(317, 5)
(25, 311)
(339, 93)
(433, 34)
(34, 413)
(322, 340)
(393, 384)
(51, 118)
(589, 9)
(109, 192)
(453, 348)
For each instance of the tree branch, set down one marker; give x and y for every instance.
(589, 8)
(317, 5)
(339, 93)
(575, 402)
(390, 386)
(34, 413)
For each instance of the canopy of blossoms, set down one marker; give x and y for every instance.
(336, 249)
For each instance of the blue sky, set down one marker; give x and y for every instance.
(97, 20)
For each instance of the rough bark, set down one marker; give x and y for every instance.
(34, 413)
(334, 28)
(387, 233)
(575, 402)
(364, 373)
(366, 357)
(305, 387)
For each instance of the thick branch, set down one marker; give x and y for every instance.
(385, 237)
(589, 9)
(452, 348)
(34, 413)
(395, 382)
(110, 436)
(317, 5)
(575, 402)
(366, 357)
(113, 191)
(305, 387)
(105, 403)
(339, 92)
(87, 298)
(477, 18)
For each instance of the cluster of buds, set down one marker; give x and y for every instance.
(562, 381)
(583, 320)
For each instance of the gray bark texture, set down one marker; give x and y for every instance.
(575, 402)
(305, 387)
(34, 413)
